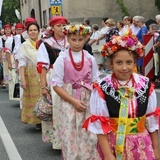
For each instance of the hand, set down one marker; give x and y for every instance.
(97, 42)
(17, 71)
(45, 93)
(9, 66)
(23, 84)
(157, 154)
(79, 105)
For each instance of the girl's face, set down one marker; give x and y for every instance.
(76, 42)
(33, 32)
(57, 29)
(123, 65)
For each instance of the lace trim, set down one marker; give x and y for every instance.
(140, 88)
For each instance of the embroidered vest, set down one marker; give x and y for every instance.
(113, 99)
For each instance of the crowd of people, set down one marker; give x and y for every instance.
(115, 117)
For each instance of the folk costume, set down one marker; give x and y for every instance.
(121, 113)
(27, 56)
(75, 72)
(48, 50)
(125, 111)
(6, 76)
(77, 83)
(12, 49)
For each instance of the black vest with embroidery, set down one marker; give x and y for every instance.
(113, 100)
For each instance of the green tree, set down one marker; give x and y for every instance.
(8, 11)
(157, 3)
(123, 7)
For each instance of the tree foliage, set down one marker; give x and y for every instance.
(8, 11)
(123, 7)
(157, 3)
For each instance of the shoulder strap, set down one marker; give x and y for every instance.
(22, 39)
(13, 44)
(52, 53)
(3, 42)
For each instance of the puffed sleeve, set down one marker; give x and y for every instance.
(42, 56)
(8, 44)
(98, 123)
(58, 71)
(95, 72)
(152, 121)
(17, 39)
(23, 60)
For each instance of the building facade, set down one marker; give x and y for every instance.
(78, 10)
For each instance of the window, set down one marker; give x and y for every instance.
(44, 17)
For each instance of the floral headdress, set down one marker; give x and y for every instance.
(128, 42)
(77, 29)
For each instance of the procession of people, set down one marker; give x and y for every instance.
(92, 118)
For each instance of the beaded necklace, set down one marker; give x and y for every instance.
(77, 66)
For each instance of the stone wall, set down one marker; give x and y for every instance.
(95, 10)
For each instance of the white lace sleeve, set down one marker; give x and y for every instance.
(43, 56)
(152, 121)
(98, 108)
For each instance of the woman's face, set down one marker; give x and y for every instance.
(123, 64)
(7, 31)
(57, 29)
(33, 32)
(76, 42)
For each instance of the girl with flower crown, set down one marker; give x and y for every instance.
(74, 72)
(124, 106)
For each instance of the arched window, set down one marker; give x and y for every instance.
(33, 13)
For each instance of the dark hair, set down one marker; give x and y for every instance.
(104, 19)
(87, 21)
(95, 26)
(33, 23)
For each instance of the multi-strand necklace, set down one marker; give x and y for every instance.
(77, 66)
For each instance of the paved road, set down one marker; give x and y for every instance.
(22, 142)
(26, 138)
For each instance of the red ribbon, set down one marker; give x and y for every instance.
(97, 87)
(5, 49)
(155, 113)
(151, 88)
(105, 123)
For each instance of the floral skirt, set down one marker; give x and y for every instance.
(77, 143)
(51, 131)
(137, 146)
(30, 96)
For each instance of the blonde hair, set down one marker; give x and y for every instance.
(110, 22)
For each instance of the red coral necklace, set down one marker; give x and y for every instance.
(116, 83)
(77, 66)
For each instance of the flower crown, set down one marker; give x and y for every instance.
(128, 42)
(77, 29)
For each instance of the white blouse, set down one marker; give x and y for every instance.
(58, 72)
(98, 107)
(42, 51)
